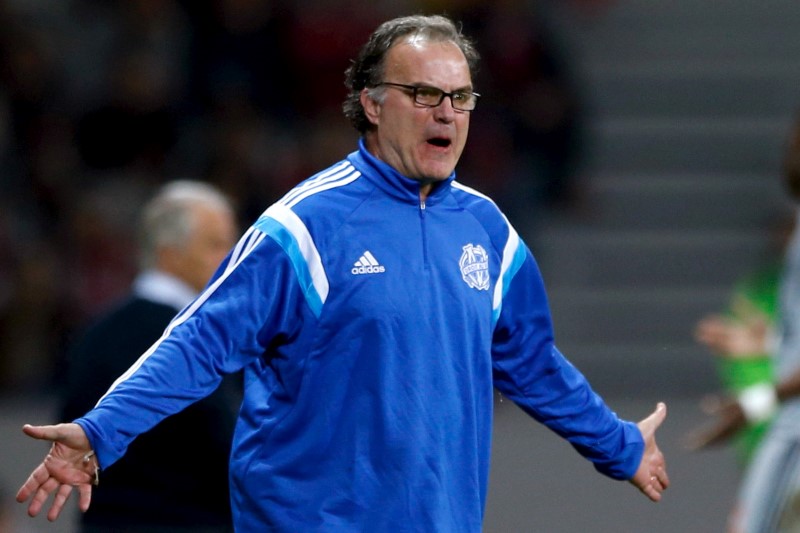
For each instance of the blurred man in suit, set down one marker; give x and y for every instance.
(185, 232)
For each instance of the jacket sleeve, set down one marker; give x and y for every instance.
(252, 298)
(529, 370)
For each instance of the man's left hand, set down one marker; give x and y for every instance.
(651, 477)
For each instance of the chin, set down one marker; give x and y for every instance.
(440, 173)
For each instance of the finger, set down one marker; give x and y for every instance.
(41, 496)
(32, 484)
(710, 328)
(41, 432)
(661, 413)
(70, 435)
(663, 477)
(656, 418)
(58, 502)
(84, 497)
(656, 484)
(711, 335)
(655, 489)
(651, 492)
(659, 478)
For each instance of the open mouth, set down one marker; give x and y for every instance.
(440, 142)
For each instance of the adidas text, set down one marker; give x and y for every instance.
(368, 269)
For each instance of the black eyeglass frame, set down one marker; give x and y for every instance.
(442, 94)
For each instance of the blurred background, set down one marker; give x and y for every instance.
(636, 145)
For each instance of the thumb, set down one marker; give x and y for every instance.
(71, 435)
(41, 432)
(654, 420)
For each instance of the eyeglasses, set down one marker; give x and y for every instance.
(433, 96)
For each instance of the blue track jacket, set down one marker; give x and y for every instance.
(372, 328)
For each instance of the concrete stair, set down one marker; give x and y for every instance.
(689, 107)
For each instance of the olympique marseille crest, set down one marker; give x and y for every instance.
(474, 265)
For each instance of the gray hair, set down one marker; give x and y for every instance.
(367, 69)
(167, 219)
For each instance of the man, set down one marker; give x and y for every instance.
(373, 308)
(740, 340)
(769, 497)
(185, 232)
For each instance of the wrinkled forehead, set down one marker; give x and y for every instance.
(418, 58)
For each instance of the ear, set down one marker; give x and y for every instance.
(372, 109)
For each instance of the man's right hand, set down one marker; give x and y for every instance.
(69, 464)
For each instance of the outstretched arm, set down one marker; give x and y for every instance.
(756, 403)
(69, 464)
(651, 477)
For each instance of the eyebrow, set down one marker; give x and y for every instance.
(464, 89)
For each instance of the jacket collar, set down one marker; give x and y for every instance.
(391, 181)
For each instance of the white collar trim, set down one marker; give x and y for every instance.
(163, 288)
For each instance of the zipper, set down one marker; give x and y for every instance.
(424, 233)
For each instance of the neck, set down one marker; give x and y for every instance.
(426, 185)
(425, 189)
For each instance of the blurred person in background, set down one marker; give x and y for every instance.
(185, 231)
(742, 338)
(373, 309)
(769, 496)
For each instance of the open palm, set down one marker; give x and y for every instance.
(68, 465)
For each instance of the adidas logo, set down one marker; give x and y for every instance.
(367, 264)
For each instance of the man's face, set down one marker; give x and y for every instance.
(213, 236)
(422, 143)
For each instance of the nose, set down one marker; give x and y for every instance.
(445, 112)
